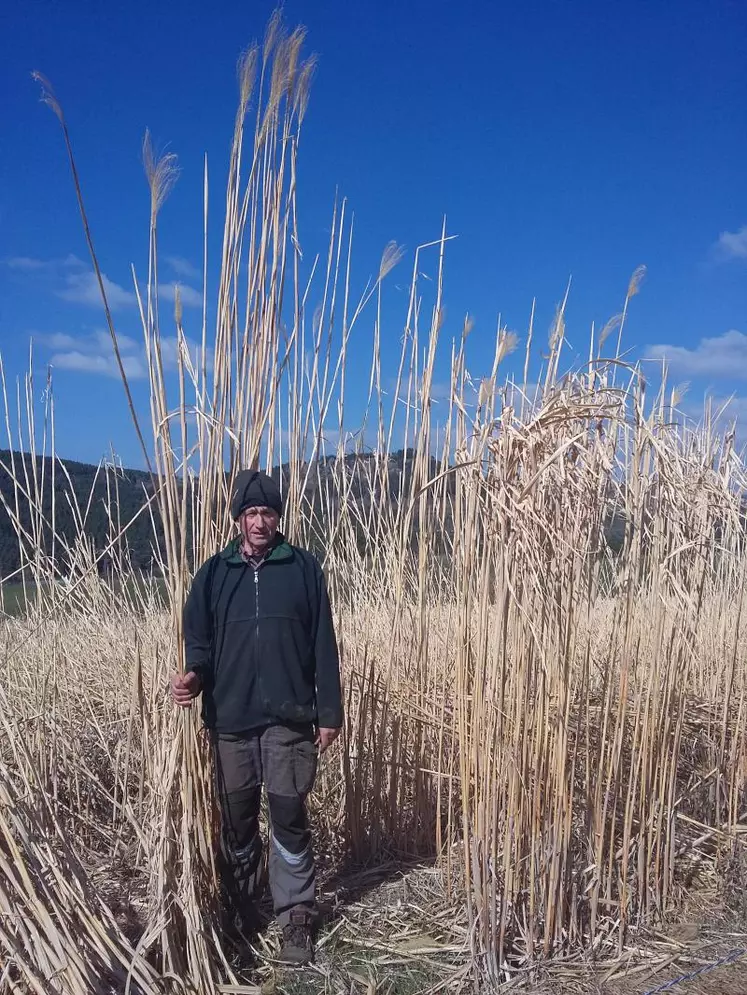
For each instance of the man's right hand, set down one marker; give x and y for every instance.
(185, 688)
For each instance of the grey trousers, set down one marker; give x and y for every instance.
(284, 759)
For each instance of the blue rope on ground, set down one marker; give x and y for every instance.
(728, 959)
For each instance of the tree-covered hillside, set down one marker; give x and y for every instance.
(88, 495)
(82, 494)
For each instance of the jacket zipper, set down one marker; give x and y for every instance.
(256, 598)
(256, 642)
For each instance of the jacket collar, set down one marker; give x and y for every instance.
(280, 552)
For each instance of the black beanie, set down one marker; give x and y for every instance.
(254, 489)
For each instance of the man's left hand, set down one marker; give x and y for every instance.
(325, 738)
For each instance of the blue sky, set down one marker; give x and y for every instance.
(562, 140)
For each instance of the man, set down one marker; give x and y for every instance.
(261, 648)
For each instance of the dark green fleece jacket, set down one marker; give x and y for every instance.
(262, 641)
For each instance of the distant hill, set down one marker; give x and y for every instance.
(89, 485)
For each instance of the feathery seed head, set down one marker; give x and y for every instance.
(161, 173)
(390, 257)
(636, 280)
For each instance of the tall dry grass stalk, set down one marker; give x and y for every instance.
(555, 718)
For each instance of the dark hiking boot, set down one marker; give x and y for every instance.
(239, 933)
(297, 948)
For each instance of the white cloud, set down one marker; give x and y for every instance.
(57, 340)
(104, 365)
(26, 264)
(71, 260)
(70, 279)
(722, 356)
(83, 288)
(183, 267)
(125, 342)
(170, 352)
(99, 342)
(734, 407)
(188, 295)
(732, 244)
(95, 353)
(724, 407)
(725, 412)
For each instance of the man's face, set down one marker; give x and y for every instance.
(259, 525)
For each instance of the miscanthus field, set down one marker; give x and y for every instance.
(539, 593)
